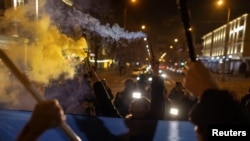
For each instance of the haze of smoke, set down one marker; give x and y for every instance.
(4, 97)
(12, 93)
(40, 50)
(44, 51)
(71, 17)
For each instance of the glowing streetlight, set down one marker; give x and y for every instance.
(220, 2)
(163, 55)
(143, 27)
(176, 40)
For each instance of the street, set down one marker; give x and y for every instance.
(19, 98)
(236, 83)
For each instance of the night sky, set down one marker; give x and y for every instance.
(162, 17)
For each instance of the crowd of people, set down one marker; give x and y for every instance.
(207, 104)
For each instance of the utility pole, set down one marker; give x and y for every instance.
(223, 77)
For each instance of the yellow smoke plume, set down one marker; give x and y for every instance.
(43, 53)
(46, 55)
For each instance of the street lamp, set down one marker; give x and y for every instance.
(176, 40)
(221, 2)
(125, 12)
(178, 50)
(143, 27)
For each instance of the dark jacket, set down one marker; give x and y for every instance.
(158, 100)
(217, 107)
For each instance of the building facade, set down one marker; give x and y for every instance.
(234, 49)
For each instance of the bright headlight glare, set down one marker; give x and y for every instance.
(150, 79)
(137, 78)
(174, 111)
(163, 75)
(136, 95)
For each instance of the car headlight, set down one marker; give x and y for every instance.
(136, 95)
(150, 79)
(137, 78)
(174, 111)
(163, 75)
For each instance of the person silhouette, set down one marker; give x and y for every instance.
(123, 99)
(139, 108)
(215, 107)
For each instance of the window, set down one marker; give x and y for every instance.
(238, 48)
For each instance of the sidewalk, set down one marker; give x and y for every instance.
(237, 83)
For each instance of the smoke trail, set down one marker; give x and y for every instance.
(68, 17)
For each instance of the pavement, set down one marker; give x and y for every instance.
(233, 82)
(114, 80)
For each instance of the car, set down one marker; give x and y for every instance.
(148, 76)
(136, 72)
(145, 78)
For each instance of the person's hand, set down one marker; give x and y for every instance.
(198, 79)
(47, 114)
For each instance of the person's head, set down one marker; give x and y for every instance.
(130, 84)
(179, 84)
(215, 108)
(139, 108)
(88, 108)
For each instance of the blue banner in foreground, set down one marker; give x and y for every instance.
(101, 128)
